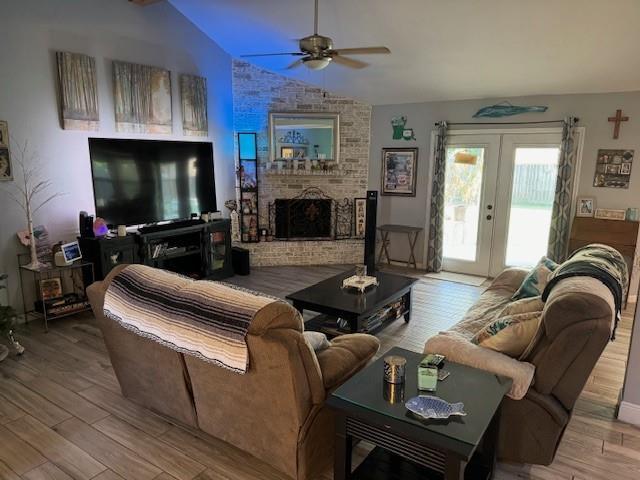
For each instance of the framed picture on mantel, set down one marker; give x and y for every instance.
(399, 166)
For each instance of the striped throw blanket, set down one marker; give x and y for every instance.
(208, 320)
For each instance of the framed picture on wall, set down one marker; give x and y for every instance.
(613, 168)
(5, 158)
(359, 216)
(399, 166)
(586, 207)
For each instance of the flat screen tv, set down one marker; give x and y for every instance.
(148, 181)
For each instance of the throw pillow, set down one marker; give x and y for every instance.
(510, 334)
(317, 340)
(524, 305)
(535, 281)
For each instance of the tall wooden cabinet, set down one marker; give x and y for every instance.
(621, 235)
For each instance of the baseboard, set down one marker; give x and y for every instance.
(629, 413)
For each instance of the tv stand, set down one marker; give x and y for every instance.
(169, 226)
(196, 249)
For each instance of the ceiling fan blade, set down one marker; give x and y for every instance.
(295, 64)
(271, 54)
(361, 51)
(348, 62)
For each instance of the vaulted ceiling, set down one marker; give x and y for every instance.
(441, 49)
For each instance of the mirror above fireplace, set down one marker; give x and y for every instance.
(304, 141)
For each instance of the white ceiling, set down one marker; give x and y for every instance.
(442, 49)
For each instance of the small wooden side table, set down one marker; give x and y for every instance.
(412, 235)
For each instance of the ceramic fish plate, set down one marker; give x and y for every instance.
(428, 406)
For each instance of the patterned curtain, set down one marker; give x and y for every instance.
(436, 222)
(561, 217)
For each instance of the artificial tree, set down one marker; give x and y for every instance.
(30, 193)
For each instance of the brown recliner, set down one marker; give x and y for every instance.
(576, 327)
(276, 411)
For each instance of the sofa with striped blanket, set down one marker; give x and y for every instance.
(245, 375)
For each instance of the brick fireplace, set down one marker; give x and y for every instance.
(256, 92)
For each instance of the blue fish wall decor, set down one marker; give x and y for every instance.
(505, 109)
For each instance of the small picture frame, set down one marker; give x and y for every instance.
(613, 169)
(586, 207)
(610, 214)
(286, 152)
(359, 217)
(50, 288)
(71, 252)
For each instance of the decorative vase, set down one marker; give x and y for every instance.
(35, 263)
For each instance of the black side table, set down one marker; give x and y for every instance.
(410, 448)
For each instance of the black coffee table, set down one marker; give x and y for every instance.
(329, 298)
(407, 447)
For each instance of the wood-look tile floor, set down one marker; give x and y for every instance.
(62, 416)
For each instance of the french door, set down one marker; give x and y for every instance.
(499, 191)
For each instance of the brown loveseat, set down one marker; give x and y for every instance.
(576, 326)
(276, 411)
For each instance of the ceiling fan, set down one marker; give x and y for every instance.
(316, 51)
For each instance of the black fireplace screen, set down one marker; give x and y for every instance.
(303, 218)
(312, 215)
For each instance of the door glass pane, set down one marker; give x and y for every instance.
(462, 194)
(534, 183)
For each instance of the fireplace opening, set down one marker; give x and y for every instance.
(303, 219)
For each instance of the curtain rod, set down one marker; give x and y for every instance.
(506, 123)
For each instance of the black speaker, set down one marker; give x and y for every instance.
(240, 261)
(370, 232)
(85, 225)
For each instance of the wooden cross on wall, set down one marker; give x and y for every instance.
(618, 119)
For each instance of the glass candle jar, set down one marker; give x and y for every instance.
(394, 368)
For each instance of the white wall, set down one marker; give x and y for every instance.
(31, 31)
(593, 111)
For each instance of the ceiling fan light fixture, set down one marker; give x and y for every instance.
(317, 63)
